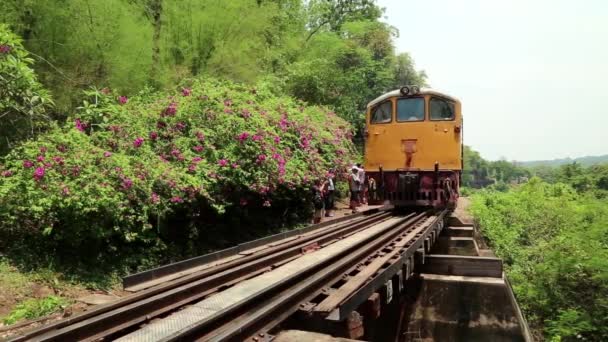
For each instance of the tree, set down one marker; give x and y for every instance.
(24, 103)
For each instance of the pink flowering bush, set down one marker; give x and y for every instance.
(161, 164)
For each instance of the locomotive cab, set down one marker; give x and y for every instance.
(413, 147)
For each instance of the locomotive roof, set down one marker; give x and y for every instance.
(397, 92)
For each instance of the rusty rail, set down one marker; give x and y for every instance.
(106, 320)
(257, 317)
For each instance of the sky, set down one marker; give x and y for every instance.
(532, 75)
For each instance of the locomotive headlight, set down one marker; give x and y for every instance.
(405, 90)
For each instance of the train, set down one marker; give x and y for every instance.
(414, 148)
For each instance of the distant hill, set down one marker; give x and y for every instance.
(586, 161)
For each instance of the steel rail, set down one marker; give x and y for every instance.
(289, 292)
(145, 279)
(140, 307)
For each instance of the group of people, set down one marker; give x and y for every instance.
(361, 188)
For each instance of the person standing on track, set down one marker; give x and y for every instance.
(361, 175)
(353, 184)
(329, 194)
(317, 201)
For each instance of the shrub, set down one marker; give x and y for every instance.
(554, 244)
(156, 168)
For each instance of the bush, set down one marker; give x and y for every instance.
(554, 244)
(23, 101)
(35, 308)
(194, 168)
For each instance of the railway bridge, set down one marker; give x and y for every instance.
(379, 275)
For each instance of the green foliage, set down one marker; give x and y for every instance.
(334, 53)
(592, 179)
(23, 101)
(479, 173)
(160, 168)
(554, 244)
(34, 308)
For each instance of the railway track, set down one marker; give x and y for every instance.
(244, 298)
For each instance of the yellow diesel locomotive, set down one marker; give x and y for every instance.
(413, 147)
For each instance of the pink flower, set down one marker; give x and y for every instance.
(304, 142)
(5, 48)
(261, 158)
(222, 162)
(227, 110)
(161, 125)
(235, 165)
(65, 191)
(107, 154)
(79, 125)
(38, 173)
(284, 124)
(171, 109)
(243, 202)
(62, 148)
(256, 137)
(138, 142)
(127, 183)
(58, 160)
(266, 203)
(43, 149)
(154, 198)
(228, 102)
(197, 159)
(277, 139)
(243, 136)
(176, 199)
(7, 173)
(186, 91)
(198, 148)
(122, 100)
(153, 135)
(246, 113)
(192, 168)
(27, 164)
(200, 136)
(180, 126)
(40, 159)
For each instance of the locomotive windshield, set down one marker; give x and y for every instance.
(410, 109)
(382, 113)
(441, 109)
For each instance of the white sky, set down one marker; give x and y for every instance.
(532, 75)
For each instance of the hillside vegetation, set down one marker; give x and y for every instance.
(552, 233)
(138, 132)
(585, 161)
(335, 53)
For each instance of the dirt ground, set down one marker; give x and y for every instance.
(17, 287)
(462, 210)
